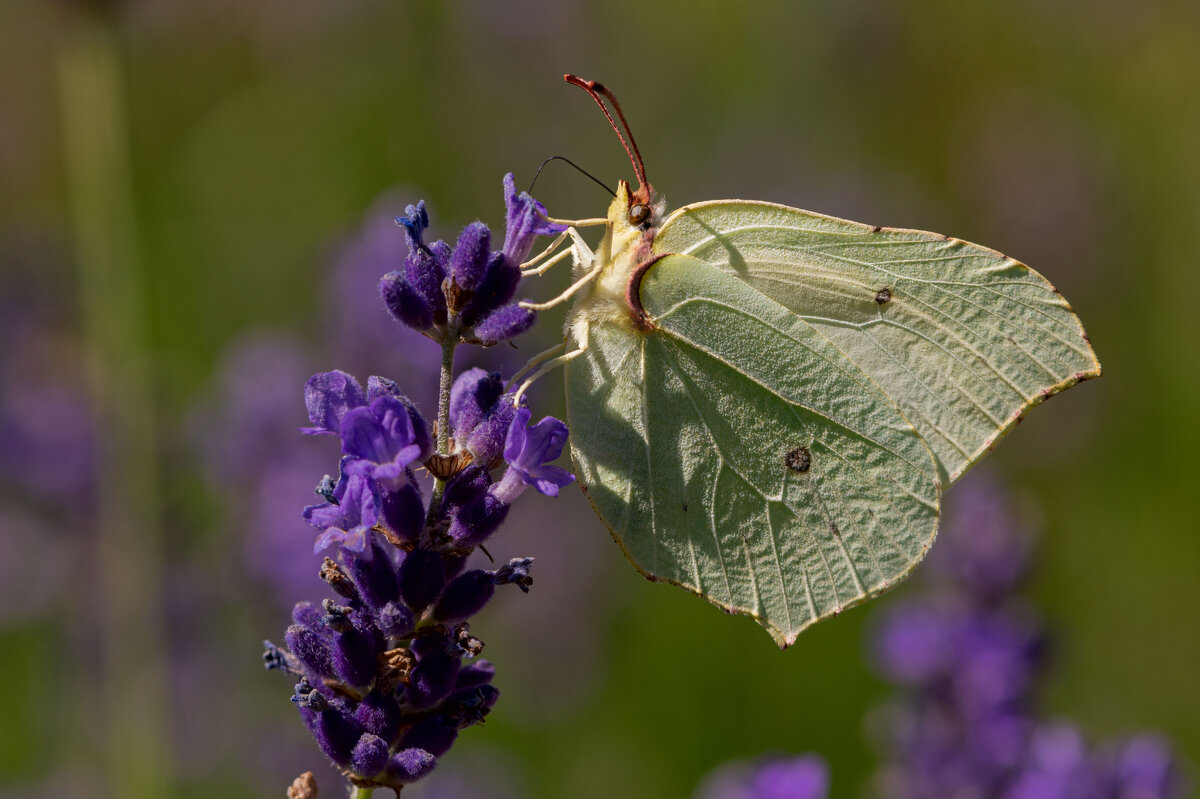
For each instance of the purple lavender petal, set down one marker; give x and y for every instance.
(348, 523)
(383, 439)
(525, 220)
(527, 450)
(329, 396)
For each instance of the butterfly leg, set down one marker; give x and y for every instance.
(525, 267)
(588, 277)
(553, 363)
(534, 361)
(537, 270)
(595, 221)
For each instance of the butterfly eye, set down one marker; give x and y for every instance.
(638, 214)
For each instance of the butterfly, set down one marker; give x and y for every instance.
(765, 403)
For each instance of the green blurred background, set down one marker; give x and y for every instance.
(256, 135)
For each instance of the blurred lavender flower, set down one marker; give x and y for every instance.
(47, 436)
(799, 777)
(967, 653)
(383, 685)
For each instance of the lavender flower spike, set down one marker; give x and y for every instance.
(525, 220)
(528, 451)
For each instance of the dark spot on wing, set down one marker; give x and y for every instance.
(798, 460)
(883, 296)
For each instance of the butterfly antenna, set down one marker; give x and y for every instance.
(583, 171)
(597, 90)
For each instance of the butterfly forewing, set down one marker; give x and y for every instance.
(736, 452)
(963, 339)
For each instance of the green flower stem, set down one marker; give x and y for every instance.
(127, 564)
(443, 423)
(361, 793)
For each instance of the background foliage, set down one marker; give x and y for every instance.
(1063, 133)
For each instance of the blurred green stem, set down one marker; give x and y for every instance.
(127, 563)
(362, 793)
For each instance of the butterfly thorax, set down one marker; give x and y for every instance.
(624, 248)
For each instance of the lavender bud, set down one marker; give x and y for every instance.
(435, 734)
(395, 621)
(370, 755)
(473, 394)
(310, 649)
(410, 765)
(465, 596)
(307, 613)
(378, 386)
(469, 261)
(496, 289)
(403, 512)
(422, 576)
(336, 735)
(432, 679)
(404, 302)
(478, 673)
(353, 658)
(473, 524)
(378, 714)
(375, 578)
(504, 323)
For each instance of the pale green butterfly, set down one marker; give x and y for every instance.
(765, 404)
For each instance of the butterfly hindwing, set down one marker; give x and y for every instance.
(736, 452)
(964, 339)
